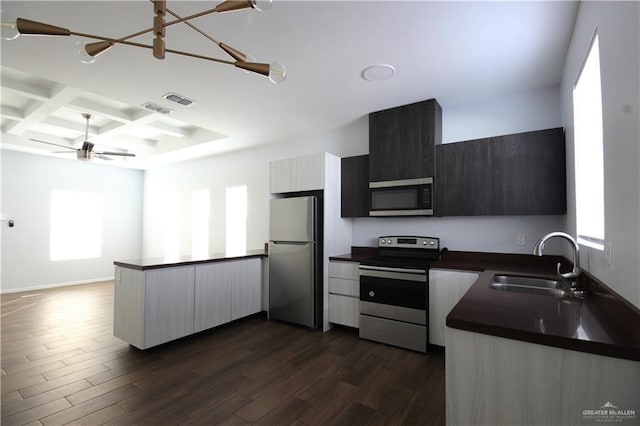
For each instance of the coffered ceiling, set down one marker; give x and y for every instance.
(453, 51)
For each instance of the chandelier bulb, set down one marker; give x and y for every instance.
(9, 29)
(277, 72)
(261, 5)
(80, 50)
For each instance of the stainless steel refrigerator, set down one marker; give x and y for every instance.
(294, 269)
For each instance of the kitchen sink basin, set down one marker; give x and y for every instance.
(535, 285)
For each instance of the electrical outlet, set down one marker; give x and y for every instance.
(521, 239)
(608, 255)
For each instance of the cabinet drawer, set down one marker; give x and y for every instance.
(344, 310)
(346, 270)
(344, 287)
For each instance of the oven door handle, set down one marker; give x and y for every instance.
(389, 269)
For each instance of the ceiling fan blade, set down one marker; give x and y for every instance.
(121, 154)
(102, 157)
(54, 144)
(63, 152)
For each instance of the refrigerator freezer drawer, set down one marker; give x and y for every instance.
(292, 283)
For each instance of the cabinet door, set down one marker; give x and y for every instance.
(169, 304)
(297, 174)
(212, 295)
(344, 310)
(246, 287)
(520, 174)
(446, 288)
(402, 141)
(355, 186)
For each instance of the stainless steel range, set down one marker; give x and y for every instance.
(394, 294)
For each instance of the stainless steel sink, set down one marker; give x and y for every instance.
(535, 285)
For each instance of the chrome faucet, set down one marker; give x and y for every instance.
(575, 273)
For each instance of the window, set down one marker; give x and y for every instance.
(200, 223)
(236, 220)
(589, 163)
(76, 225)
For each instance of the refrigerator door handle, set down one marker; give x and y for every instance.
(292, 243)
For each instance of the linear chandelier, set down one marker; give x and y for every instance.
(87, 52)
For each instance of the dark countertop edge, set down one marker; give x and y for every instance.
(585, 346)
(615, 313)
(613, 308)
(146, 264)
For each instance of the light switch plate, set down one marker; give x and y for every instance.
(521, 239)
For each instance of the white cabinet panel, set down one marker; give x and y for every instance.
(212, 295)
(128, 306)
(446, 288)
(344, 287)
(344, 310)
(297, 174)
(346, 270)
(246, 287)
(498, 381)
(169, 304)
(344, 293)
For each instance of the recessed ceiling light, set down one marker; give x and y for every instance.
(378, 72)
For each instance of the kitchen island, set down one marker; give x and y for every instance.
(523, 358)
(159, 300)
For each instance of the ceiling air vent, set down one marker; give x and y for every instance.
(174, 97)
(157, 108)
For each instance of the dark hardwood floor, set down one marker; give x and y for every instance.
(61, 364)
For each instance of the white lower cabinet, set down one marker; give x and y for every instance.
(446, 288)
(159, 305)
(212, 295)
(168, 305)
(344, 293)
(246, 287)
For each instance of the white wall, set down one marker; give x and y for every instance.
(27, 182)
(216, 173)
(619, 38)
(516, 113)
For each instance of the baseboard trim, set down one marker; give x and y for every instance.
(54, 285)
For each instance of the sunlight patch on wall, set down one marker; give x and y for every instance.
(76, 225)
(236, 220)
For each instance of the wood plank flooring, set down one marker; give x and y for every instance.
(61, 364)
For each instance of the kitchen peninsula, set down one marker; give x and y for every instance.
(158, 300)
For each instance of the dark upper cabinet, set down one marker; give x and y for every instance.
(519, 174)
(402, 141)
(355, 186)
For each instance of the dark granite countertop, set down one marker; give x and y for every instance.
(160, 262)
(600, 322)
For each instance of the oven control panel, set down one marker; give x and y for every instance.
(430, 243)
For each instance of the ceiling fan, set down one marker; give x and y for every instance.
(86, 152)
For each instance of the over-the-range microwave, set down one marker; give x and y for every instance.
(408, 197)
